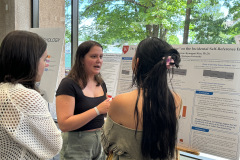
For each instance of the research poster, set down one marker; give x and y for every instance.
(109, 71)
(208, 81)
(125, 73)
(55, 42)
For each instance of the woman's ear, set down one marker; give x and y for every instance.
(136, 65)
(137, 62)
(81, 60)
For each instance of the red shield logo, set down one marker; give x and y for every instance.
(125, 49)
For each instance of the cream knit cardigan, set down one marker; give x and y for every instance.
(27, 130)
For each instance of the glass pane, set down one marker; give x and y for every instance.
(67, 36)
(114, 23)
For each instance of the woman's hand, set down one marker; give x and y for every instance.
(104, 106)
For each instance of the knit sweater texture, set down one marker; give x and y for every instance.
(27, 130)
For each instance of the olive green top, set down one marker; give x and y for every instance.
(121, 141)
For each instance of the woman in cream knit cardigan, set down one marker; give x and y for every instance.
(27, 130)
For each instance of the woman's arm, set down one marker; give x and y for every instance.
(67, 121)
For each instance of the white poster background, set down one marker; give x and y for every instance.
(208, 82)
(109, 71)
(125, 73)
(55, 42)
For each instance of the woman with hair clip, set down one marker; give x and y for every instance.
(142, 124)
(27, 130)
(81, 102)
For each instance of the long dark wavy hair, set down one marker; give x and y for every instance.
(159, 110)
(20, 52)
(78, 73)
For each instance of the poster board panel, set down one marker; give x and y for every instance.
(55, 43)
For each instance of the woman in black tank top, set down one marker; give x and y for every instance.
(81, 102)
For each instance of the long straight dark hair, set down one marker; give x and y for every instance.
(159, 110)
(20, 53)
(78, 72)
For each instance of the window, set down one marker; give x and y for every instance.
(114, 23)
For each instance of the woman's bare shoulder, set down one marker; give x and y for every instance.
(120, 104)
(118, 101)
